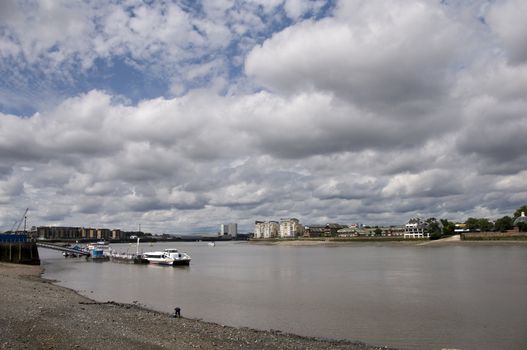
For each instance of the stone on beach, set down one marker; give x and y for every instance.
(36, 314)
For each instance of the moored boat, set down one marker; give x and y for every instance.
(171, 257)
(98, 254)
(99, 251)
(128, 258)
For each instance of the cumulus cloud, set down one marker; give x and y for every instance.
(295, 9)
(365, 111)
(507, 20)
(376, 55)
(48, 48)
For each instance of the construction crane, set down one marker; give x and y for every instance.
(20, 223)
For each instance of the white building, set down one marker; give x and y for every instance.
(290, 228)
(266, 229)
(415, 228)
(229, 229)
(258, 229)
(233, 229)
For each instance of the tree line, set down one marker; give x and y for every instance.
(443, 227)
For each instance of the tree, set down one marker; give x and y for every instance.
(518, 212)
(448, 227)
(522, 226)
(485, 225)
(503, 224)
(434, 228)
(472, 224)
(377, 231)
(479, 224)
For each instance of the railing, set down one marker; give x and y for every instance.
(63, 249)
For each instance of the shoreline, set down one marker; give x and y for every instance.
(35, 313)
(387, 243)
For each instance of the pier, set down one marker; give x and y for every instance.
(63, 249)
(16, 249)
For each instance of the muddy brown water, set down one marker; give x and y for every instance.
(410, 297)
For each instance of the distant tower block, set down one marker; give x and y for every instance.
(230, 229)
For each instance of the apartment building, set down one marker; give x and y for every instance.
(415, 228)
(290, 228)
(230, 229)
(266, 229)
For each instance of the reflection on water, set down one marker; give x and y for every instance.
(466, 297)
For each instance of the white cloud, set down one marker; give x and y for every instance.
(375, 54)
(507, 20)
(295, 9)
(434, 183)
(379, 112)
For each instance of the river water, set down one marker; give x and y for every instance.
(462, 296)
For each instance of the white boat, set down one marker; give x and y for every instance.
(104, 246)
(170, 257)
(128, 257)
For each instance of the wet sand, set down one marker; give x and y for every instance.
(35, 314)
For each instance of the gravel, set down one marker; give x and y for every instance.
(36, 314)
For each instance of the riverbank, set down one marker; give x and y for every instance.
(36, 314)
(334, 242)
(454, 240)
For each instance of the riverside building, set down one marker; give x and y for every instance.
(266, 229)
(290, 228)
(75, 233)
(415, 228)
(230, 229)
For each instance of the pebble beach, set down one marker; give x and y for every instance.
(36, 314)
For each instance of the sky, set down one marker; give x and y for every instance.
(183, 115)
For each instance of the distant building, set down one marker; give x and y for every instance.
(233, 229)
(88, 233)
(415, 228)
(77, 233)
(314, 231)
(266, 229)
(327, 230)
(393, 231)
(229, 229)
(58, 232)
(520, 224)
(350, 232)
(104, 233)
(258, 229)
(118, 234)
(290, 228)
(461, 228)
